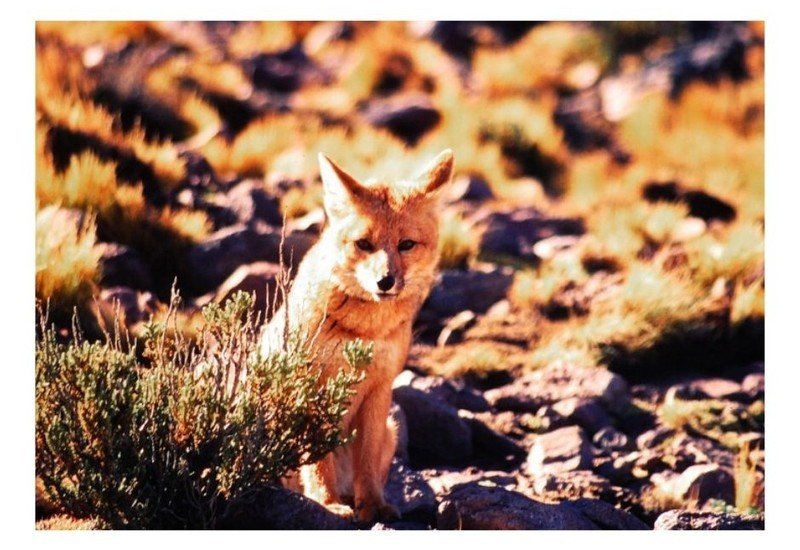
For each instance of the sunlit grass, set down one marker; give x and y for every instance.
(559, 46)
(66, 261)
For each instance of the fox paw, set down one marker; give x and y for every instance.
(381, 512)
(341, 510)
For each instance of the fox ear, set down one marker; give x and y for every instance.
(340, 189)
(437, 173)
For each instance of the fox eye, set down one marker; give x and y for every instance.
(365, 245)
(406, 245)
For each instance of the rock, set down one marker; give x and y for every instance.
(454, 328)
(134, 306)
(702, 482)
(717, 388)
(618, 469)
(472, 506)
(573, 484)
(122, 266)
(558, 451)
(683, 520)
(250, 201)
(456, 291)
(469, 188)
(558, 382)
(587, 413)
(607, 516)
(654, 438)
(454, 392)
(401, 526)
(436, 434)
(753, 385)
(407, 117)
(442, 481)
(412, 495)
(279, 508)
(259, 278)
(212, 261)
(514, 233)
(282, 72)
(610, 440)
(552, 246)
(399, 417)
(487, 443)
(701, 204)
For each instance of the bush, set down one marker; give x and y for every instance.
(175, 440)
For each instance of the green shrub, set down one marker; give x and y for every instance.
(176, 440)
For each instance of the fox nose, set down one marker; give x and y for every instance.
(386, 283)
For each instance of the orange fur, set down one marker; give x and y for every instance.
(335, 297)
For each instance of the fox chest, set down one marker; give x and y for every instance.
(389, 350)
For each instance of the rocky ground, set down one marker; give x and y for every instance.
(490, 438)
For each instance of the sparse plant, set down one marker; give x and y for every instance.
(182, 439)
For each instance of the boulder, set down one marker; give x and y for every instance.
(452, 392)
(696, 483)
(134, 306)
(753, 385)
(513, 233)
(408, 490)
(559, 451)
(259, 278)
(436, 434)
(212, 261)
(473, 506)
(407, 117)
(683, 520)
(279, 508)
(585, 412)
(456, 291)
(250, 201)
(469, 188)
(442, 481)
(122, 266)
(717, 388)
(558, 382)
(489, 444)
(607, 516)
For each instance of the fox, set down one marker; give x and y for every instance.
(365, 278)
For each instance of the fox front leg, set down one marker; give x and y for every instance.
(374, 439)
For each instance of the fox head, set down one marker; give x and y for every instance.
(384, 237)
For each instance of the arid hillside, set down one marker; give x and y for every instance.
(592, 353)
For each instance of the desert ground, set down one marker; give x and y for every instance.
(591, 356)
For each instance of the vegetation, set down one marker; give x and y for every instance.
(192, 430)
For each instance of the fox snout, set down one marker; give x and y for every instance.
(380, 275)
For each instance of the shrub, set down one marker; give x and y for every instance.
(195, 428)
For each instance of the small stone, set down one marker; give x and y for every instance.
(454, 328)
(585, 412)
(655, 437)
(753, 385)
(682, 520)
(562, 450)
(609, 440)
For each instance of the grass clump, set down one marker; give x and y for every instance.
(182, 438)
(67, 261)
(458, 241)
